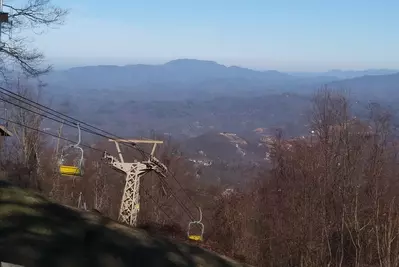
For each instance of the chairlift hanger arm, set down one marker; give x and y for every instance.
(79, 135)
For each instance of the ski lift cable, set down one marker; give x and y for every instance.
(83, 129)
(72, 122)
(83, 145)
(57, 113)
(49, 134)
(186, 210)
(59, 118)
(142, 151)
(184, 207)
(65, 118)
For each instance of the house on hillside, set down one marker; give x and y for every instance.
(228, 192)
(260, 130)
(234, 138)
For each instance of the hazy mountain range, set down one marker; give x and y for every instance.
(190, 78)
(190, 97)
(214, 112)
(345, 74)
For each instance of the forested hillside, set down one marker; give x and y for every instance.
(338, 187)
(261, 166)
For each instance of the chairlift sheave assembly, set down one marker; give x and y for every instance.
(76, 168)
(196, 237)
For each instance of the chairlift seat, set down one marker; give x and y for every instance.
(67, 170)
(195, 237)
(76, 169)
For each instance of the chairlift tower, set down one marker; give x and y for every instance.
(130, 204)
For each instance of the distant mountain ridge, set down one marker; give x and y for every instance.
(178, 71)
(192, 71)
(187, 69)
(345, 74)
(377, 87)
(183, 79)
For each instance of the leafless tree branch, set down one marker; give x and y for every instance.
(16, 50)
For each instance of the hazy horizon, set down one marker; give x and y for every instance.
(282, 35)
(61, 64)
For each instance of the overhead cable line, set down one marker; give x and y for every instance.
(43, 115)
(70, 121)
(157, 204)
(184, 207)
(25, 100)
(50, 134)
(57, 113)
(59, 119)
(87, 146)
(87, 130)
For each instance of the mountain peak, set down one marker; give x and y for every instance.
(192, 62)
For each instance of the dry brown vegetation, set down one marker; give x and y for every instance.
(327, 202)
(330, 200)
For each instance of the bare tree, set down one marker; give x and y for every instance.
(100, 190)
(16, 48)
(25, 125)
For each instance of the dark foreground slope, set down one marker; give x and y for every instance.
(37, 232)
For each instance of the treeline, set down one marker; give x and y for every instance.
(328, 200)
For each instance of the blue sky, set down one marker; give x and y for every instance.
(296, 35)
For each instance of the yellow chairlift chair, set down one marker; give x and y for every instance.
(196, 237)
(75, 169)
